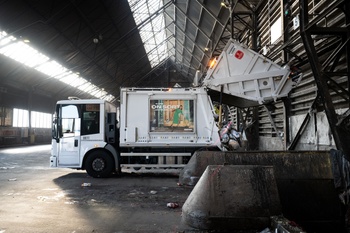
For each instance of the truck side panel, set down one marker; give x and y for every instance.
(166, 118)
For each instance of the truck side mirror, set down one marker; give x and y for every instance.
(55, 130)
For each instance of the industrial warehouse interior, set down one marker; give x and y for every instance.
(174, 116)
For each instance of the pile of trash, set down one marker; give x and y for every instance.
(230, 137)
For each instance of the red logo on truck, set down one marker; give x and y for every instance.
(239, 54)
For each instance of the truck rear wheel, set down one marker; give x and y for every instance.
(99, 164)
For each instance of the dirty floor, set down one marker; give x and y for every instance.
(37, 198)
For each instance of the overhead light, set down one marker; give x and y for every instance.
(24, 39)
(225, 4)
(212, 63)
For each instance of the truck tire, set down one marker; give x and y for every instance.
(99, 164)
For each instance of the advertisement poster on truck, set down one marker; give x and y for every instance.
(172, 115)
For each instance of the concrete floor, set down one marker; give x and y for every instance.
(37, 198)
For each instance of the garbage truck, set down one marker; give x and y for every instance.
(160, 128)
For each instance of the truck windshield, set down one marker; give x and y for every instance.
(76, 119)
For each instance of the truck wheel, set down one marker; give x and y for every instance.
(99, 164)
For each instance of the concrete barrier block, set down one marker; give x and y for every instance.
(233, 197)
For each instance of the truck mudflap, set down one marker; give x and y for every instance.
(246, 78)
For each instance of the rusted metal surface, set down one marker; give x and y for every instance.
(233, 198)
(287, 164)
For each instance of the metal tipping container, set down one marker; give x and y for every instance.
(247, 78)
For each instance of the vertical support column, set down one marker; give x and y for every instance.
(347, 49)
(339, 135)
(31, 134)
(252, 132)
(231, 19)
(168, 74)
(286, 26)
(286, 114)
(255, 30)
(286, 58)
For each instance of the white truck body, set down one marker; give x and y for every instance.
(147, 118)
(148, 128)
(160, 127)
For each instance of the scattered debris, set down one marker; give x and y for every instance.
(135, 192)
(71, 202)
(6, 168)
(57, 197)
(50, 189)
(86, 184)
(281, 224)
(13, 179)
(172, 205)
(153, 192)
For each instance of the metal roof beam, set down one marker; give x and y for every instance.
(211, 14)
(184, 13)
(186, 35)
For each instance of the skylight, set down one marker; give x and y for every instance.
(150, 22)
(23, 53)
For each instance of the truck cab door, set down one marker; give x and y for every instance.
(69, 143)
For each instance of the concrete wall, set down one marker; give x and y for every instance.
(270, 144)
(23, 136)
(316, 136)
